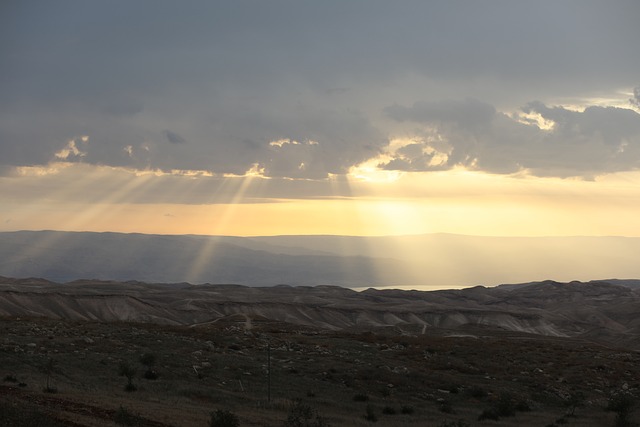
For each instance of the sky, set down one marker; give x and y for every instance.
(355, 117)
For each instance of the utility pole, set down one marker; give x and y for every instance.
(268, 372)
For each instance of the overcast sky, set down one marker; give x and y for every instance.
(310, 94)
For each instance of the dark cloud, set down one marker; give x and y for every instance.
(232, 77)
(595, 141)
(469, 114)
(173, 137)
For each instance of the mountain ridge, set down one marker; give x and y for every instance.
(429, 261)
(597, 311)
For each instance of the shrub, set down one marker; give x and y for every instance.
(150, 374)
(407, 409)
(303, 415)
(370, 414)
(505, 406)
(477, 392)
(149, 360)
(523, 406)
(445, 406)
(10, 378)
(224, 418)
(361, 397)
(622, 405)
(489, 414)
(389, 410)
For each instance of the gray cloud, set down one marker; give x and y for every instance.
(232, 77)
(472, 134)
(173, 137)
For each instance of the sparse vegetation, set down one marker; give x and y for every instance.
(357, 372)
(303, 415)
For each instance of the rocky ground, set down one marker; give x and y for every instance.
(61, 372)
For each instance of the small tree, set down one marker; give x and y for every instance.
(574, 401)
(126, 370)
(223, 418)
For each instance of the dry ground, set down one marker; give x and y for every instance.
(427, 379)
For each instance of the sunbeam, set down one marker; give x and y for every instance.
(238, 187)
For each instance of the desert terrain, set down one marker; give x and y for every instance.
(539, 354)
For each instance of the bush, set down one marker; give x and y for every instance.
(445, 406)
(150, 374)
(523, 406)
(10, 378)
(622, 405)
(361, 397)
(370, 415)
(224, 418)
(477, 392)
(505, 406)
(303, 415)
(489, 414)
(389, 410)
(407, 409)
(148, 360)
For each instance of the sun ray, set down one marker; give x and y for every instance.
(218, 226)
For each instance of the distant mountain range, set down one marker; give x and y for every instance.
(421, 261)
(602, 312)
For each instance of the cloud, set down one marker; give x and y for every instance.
(475, 135)
(73, 150)
(227, 80)
(635, 100)
(173, 137)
